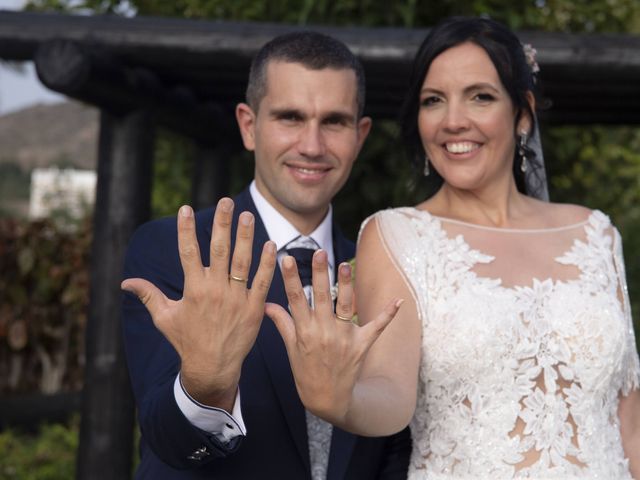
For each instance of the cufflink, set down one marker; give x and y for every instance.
(199, 454)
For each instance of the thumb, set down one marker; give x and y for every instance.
(150, 295)
(283, 321)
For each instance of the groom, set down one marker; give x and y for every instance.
(215, 394)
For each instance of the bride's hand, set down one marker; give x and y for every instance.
(326, 350)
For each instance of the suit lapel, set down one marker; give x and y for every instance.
(342, 443)
(270, 343)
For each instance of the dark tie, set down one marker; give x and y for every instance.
(318, 431)
(303, 258)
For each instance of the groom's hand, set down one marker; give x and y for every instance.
(326, 350)
(215, 324)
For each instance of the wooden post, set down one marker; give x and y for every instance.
(211, 175)
(122, 202)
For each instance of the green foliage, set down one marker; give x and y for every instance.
(600, 167)
(369, 189)
(44, 295)
(14, 182)
(550, 15)
(47, 455)
(172, 174)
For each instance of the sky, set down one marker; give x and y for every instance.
(21, 89)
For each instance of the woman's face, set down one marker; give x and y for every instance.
(466, 119)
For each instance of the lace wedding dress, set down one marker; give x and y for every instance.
(527, 343)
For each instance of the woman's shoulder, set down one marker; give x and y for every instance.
(398, 222)
(393, 215)
(564, 214)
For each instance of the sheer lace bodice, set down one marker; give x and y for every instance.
(527, 345)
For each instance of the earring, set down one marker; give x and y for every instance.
(426, 170)
(522, 151)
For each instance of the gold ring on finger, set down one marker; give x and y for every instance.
(237, 279)
(344, 319)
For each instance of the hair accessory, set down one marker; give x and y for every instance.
(524, 137)
(426, 170)
(530, 56)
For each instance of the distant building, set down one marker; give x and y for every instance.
(68, 192)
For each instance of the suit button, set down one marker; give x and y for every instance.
(199, 454)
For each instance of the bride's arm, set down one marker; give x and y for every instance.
(629, 414)
(384, 397)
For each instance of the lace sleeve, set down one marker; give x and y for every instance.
(401, 241)
(630, 362)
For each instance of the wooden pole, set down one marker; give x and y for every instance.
(122, 202)
(211, 175)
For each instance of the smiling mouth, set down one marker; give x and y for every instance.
(309, 175)
(461, 147)
(310, 171)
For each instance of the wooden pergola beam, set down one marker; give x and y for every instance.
(212, 59)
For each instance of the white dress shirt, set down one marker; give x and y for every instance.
(218, 422)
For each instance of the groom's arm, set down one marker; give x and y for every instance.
(153, 363)
(204, 330)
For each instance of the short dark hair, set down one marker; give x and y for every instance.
(313, 50)
(507, 55)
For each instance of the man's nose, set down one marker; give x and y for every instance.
(311, 142)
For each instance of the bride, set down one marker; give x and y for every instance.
(513, 354)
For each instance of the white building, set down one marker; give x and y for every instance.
(61, 191)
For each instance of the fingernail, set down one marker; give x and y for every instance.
(288, 262)
(345, 269)
(270, 247)
(399, 302)
(225, 204)
(186, 211)
(246, 218)
(320, 256)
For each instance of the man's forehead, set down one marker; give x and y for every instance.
(277, 67)
(297, 83)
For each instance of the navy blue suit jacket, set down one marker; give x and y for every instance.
(276, 444)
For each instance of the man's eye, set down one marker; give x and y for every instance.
(334, 121)
(289, 117)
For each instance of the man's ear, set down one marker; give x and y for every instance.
(364, 127)
(246, 119)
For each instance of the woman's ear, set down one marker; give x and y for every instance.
(526, 122)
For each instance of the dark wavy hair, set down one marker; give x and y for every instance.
(506, 54)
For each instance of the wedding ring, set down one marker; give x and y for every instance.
(344, 319)
(237, 279)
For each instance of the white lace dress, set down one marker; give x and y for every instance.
(527, 343)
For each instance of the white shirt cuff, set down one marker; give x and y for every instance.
(214, 420)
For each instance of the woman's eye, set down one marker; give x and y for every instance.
(428, 101)
(484, 97)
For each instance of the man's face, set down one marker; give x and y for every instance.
(306, 136)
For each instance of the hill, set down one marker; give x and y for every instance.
(63, 134)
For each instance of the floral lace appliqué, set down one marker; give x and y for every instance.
(518, 382)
